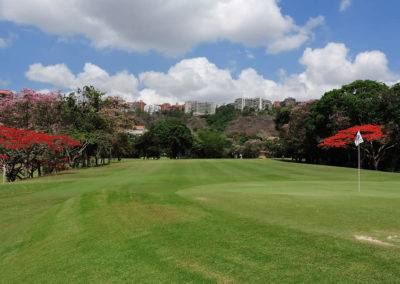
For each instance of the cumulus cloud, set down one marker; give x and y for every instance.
(331, 66)
(199, 79)
(344, 5)
(3, 43)
(170, 27)
(59, 75)
(325, 69)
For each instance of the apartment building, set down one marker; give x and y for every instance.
(167, 106)
(200, 108)
(258, 104)
(137, 105)
(152, 108)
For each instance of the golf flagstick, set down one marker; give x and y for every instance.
(359, 168)
(358, 141)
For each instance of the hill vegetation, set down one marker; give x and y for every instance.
(102, 127)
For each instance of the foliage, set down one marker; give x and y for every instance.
(347, 136)
(98, 123)
(209, 144)
(31, 110)
(174, 137)
(282, 116)
(358, 102)
(243, 139)
(24, 151)
(223, 115)
(148, 145)
(252, 148)
(377, 141)
(297, 136)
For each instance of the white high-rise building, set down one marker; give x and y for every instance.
(200, 108)
(152, 108)
(258, 104)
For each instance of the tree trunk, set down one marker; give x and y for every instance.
(84, 160)
(4, 173)
(377, 160)
(26, 170)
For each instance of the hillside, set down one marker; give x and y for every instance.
(196, 123)
(261, 125)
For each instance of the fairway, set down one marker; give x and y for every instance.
(202, 221)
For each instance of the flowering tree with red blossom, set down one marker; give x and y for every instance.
(22, 152)
(376, 141)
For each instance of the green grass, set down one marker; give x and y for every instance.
(201, 221)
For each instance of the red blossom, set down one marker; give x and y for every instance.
(28, 147)
(347, 136)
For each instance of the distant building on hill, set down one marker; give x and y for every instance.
(200, 108)
(276, 104)
(288, 102)
(137, 105)
(5, 93)
(167, 106)
(137, 130)
(152, 108)
(258, 104)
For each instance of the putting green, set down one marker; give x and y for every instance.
(311, 207)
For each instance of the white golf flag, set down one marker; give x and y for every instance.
(359, 139)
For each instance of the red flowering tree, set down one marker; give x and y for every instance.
(22, 152)
(376, 141)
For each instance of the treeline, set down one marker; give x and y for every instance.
(172, 137)
(359, 103)
(100, 124)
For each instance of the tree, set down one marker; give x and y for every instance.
(148, 145)
(24, 151)
(376, 141)
(358, 103)
(174, 136)
(209, 144)
(298, 135)
(32, 110)
(282, 116)
(252, 148)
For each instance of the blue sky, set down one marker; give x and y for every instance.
(217, 50)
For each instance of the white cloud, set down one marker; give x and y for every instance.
(171, 27)
(4, 82)
(122, 83)
(3, 43)
(344, 5)
(199, 79)
(325, 69)
(249, 54)
(330, 67)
